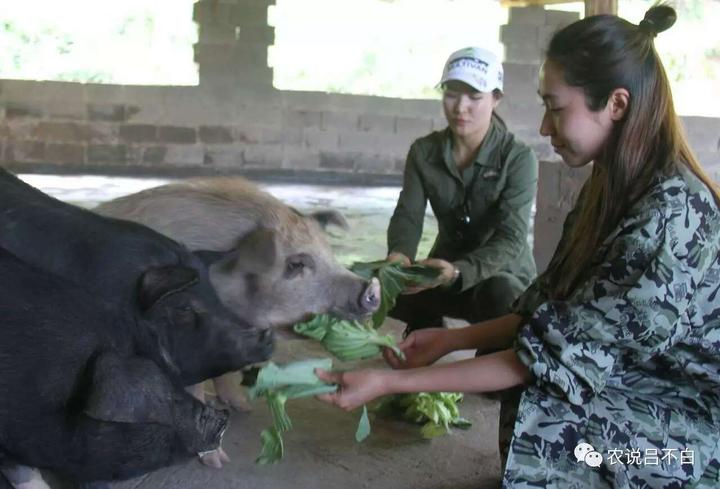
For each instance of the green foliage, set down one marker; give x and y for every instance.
(84, 41)
(347, 340)
(363, 429)
(278, 384)
(394, 278)
(272, 447)
(436, 411)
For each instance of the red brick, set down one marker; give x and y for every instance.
(106, 112)
(21, 151)
(215, 134)
(154, 154)
(61, 131)
(338, 160)
(175, 134)
(107, 153)
(65, 153)
(138, 133)
(16, 110)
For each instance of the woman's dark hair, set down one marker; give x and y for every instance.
(600, 54)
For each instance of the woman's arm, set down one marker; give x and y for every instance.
(496, 371)
(494, 334)
(406, 223)
(426, 346)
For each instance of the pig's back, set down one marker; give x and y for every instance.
(210, 213)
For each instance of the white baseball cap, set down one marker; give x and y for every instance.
(477, 67)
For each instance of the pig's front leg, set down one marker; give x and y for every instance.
(228, 390)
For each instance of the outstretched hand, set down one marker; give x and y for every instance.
(446, 275)
(355, 387)
(421, 348)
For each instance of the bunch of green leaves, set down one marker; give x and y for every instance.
(347, 340)
(294, 380)
(278, 384)
(394, 278)
(437, 411)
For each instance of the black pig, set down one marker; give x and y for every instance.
(78, 395)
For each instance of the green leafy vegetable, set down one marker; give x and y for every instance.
(438, 411)
(347, 340)
(272, 447)
(278, 384)
(296, 373)
(394, 278)
(363, 429)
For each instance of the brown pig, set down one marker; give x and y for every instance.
(277, 267)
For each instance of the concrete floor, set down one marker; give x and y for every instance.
(321, 451)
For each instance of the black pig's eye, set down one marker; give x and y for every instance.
(186, 313)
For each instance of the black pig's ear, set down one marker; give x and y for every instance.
(160, 282)
(328, 217)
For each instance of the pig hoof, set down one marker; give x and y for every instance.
(215, 459)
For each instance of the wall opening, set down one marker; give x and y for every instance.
(390, 48)
(130, 42)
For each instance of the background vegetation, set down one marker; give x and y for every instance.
(393, 48)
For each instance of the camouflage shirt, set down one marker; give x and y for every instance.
(630, 362)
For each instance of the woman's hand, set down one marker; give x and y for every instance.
(421, 348)
(356, 387)
(446, 276)
(396, 257)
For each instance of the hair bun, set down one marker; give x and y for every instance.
(658, 19)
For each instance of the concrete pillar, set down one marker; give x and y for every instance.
(529, 30)
(597, 7)
(232, 48)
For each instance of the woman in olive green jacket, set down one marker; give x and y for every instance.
(481, 183)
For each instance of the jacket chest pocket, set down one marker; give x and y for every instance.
(487, 189)
(443, 196)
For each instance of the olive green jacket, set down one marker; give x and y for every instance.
(501, 199)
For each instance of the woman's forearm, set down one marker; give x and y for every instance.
(496, 371)
(495, 334)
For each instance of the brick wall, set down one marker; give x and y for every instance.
(235, 122)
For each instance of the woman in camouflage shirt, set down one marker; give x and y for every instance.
(616, 347)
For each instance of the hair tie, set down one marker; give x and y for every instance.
(648, 26)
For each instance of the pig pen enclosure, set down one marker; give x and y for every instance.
(320, 450)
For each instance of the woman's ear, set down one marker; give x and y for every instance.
(618, 104)
(497, 97)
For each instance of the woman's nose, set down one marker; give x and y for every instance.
(461, 104)
(546, 125)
